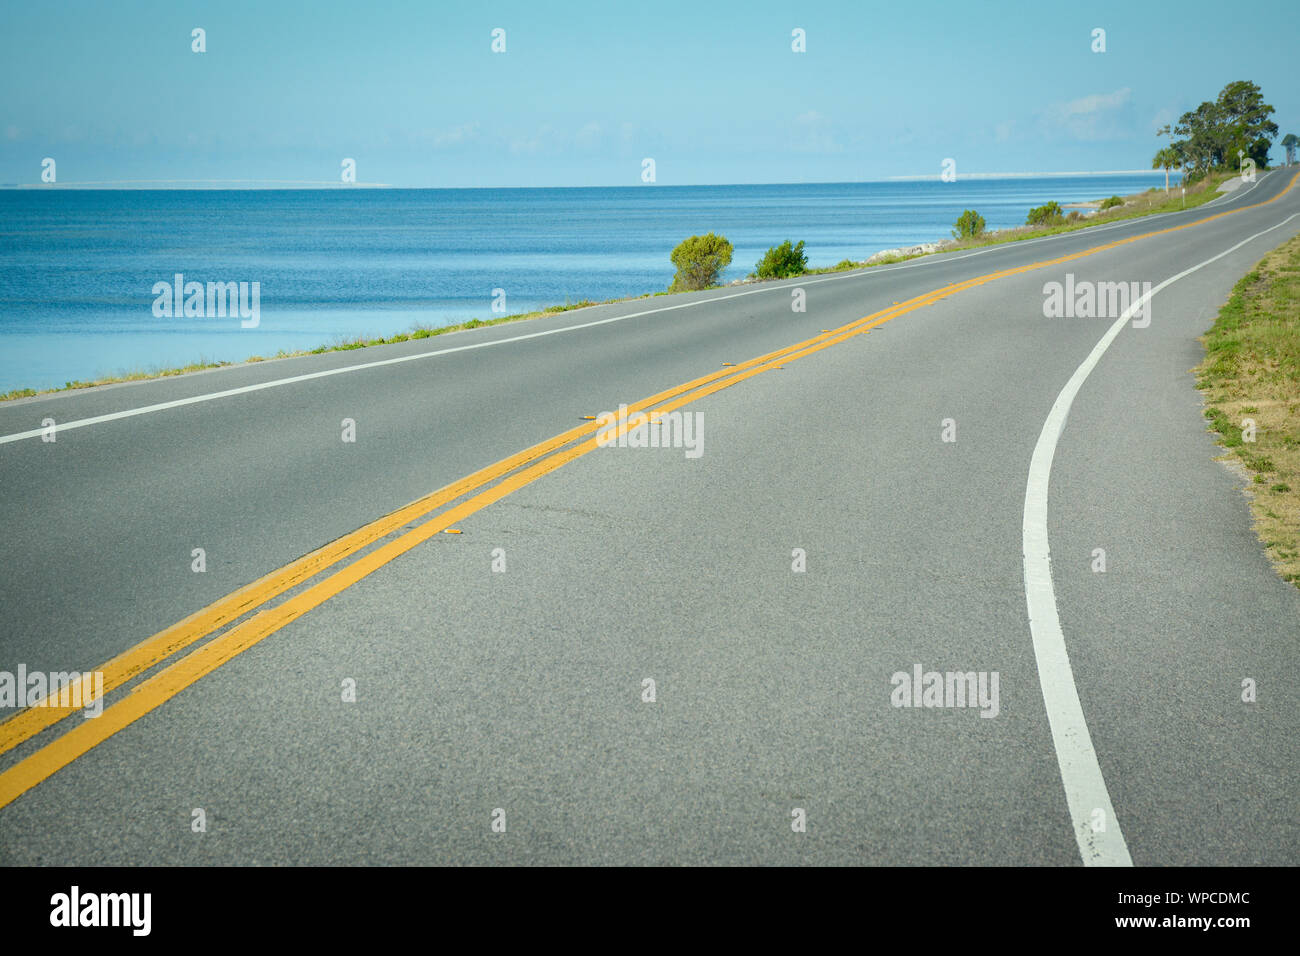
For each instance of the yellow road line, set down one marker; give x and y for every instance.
(156, 649)
(174, 678)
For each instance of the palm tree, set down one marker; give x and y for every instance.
(1167, 159)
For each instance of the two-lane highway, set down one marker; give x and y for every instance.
(505, 668)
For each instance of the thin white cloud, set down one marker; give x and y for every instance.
(1091, 117)
(590, 135)
(543, 139)
(814, 133)
(456, 136)
(1096, 103)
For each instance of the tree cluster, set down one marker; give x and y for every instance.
(1220, 134)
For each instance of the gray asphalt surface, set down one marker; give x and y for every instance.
(522, 690)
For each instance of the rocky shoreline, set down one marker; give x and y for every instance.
(903, 252)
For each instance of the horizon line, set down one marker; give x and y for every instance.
(236, 185)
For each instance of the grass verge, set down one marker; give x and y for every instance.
(419, 332)
(1251, 375)
(1153, 202)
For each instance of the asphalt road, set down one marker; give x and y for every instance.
(522, 689)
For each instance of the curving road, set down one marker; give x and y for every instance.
(504, 668)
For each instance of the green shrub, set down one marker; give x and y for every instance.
(970, 224)
(699, 261)
(1111, 203)
(782, 262)
(1048, 215)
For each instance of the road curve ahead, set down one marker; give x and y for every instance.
(923, 576)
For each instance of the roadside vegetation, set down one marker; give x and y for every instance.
(1228, 133)
(1048, 214)
(1051, 219)
(700, 261)
(782, 262)
(1251, 382)
(969, 225)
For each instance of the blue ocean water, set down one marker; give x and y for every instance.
(77, 267)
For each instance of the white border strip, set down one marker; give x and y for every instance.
(1085, 787)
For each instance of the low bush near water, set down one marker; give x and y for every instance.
(782, 262)
(1046, 215)
(700, 261)
(969, 225)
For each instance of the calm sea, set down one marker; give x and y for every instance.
(77, 268)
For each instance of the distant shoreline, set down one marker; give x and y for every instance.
(253, 185)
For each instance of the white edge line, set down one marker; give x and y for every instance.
(1085, 787)
(275, 383)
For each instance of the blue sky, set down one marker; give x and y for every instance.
(586, 90)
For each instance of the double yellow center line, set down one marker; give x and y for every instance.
(510, 474)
